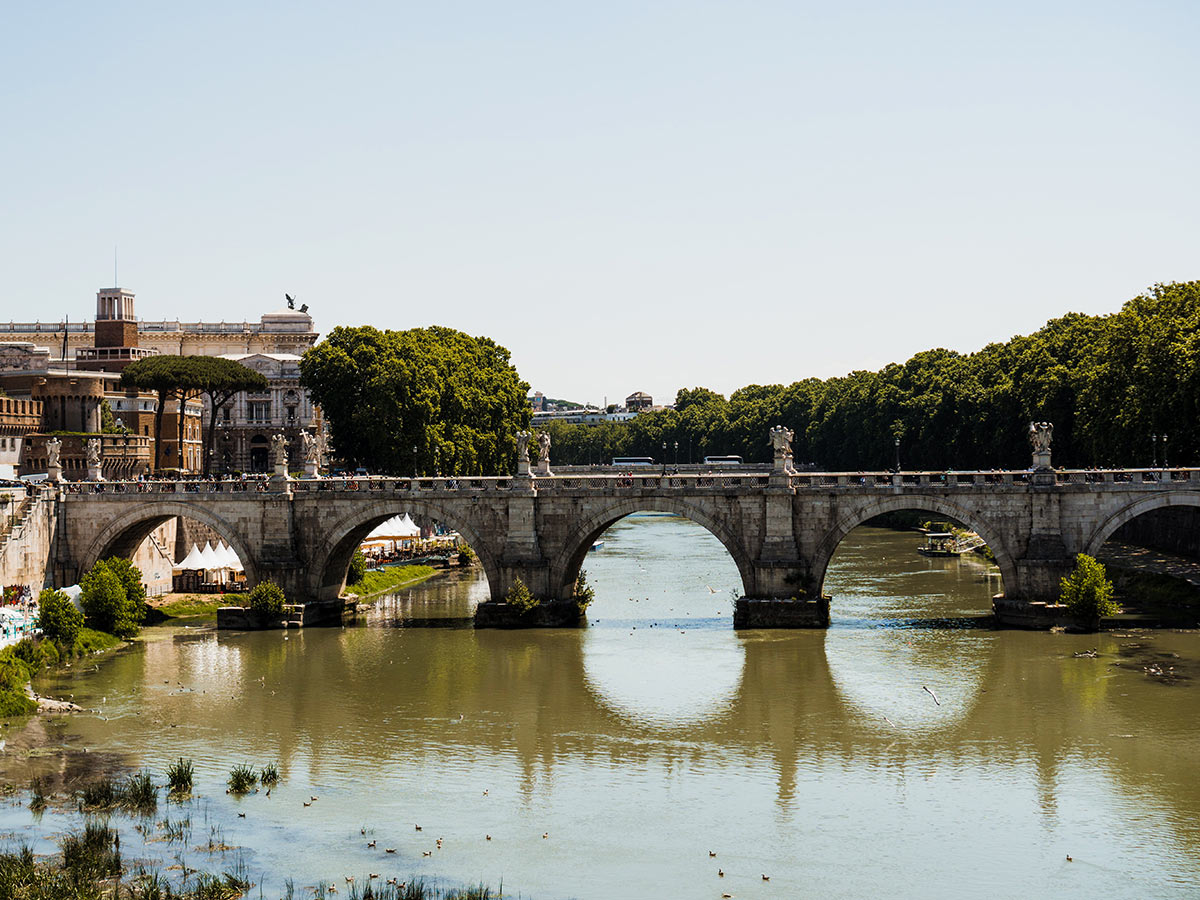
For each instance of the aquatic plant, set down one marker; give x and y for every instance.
(96, 853)
(175, 830)
(140, 792)
(269, 775)
(102, 794)
(179, 776)
(37, 790)
(242, 779)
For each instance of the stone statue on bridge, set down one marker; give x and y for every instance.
(523, 452)
(54, 459)
(308, 443)
(92, 448)
(279, 455)
(1040, 435)
(53, 453)
(311, 448)
(781, 444)
(543, 466)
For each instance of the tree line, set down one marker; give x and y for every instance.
(1108, 383)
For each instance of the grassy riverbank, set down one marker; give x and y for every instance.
(21, 662)
(391, 578)
(193, 606)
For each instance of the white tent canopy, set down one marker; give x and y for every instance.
(211, 559)
(194, 560)
(395, 528)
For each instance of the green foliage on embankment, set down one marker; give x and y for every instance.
(1106, 382)
(391, 578)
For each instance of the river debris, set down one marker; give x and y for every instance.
(931, 694)
(1085, 654)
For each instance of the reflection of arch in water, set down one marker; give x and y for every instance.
(828, 546)
(876, 672)
(1131, 511)
(643, 679)
(328, 566)
(565, 566)
(123, 535)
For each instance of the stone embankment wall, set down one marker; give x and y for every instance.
(25, 550)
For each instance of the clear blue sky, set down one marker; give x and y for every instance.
(626, 195)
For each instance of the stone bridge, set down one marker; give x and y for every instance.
(781, 528)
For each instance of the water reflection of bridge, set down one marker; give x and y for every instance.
(799, 701)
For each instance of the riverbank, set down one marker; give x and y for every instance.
(388, 579)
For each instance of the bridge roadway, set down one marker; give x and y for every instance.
(780, 529)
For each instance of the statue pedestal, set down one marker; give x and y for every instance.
(54, 474)
(543, 468)
(784, 466)
(94, 473)
(523, 468)
(311, 470)
(1041, 459)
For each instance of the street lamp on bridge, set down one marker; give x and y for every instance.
(1164, 439)
(897, 454)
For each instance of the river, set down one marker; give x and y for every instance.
(614, 760)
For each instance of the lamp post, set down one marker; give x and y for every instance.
(1164, 439)
(664, 471)
(414, 460)
(897, 454)
(1154, 450)
(677, 456)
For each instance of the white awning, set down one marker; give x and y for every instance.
(194, 560)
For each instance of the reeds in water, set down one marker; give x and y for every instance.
(96, 853)
(102, 794)
(140, 792)
(179, 776)
(416, 890)
(269, 775)
(242, 779)
(37, 790)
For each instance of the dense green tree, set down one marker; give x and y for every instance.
(113, 598)
(1106, 382)
(58, 618)
(457, 399)
(183, 378)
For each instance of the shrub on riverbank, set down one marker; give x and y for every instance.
(58, 618)
(1087, 593)
(358, 568)
(114, 598)
(266, 600)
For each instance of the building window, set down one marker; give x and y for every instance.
(259, 411)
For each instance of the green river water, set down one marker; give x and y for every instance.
(611, 761)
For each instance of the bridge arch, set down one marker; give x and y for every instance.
(567, 561)
(938, 505)
(328, 565)
(124, 534)
(1132, 510)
